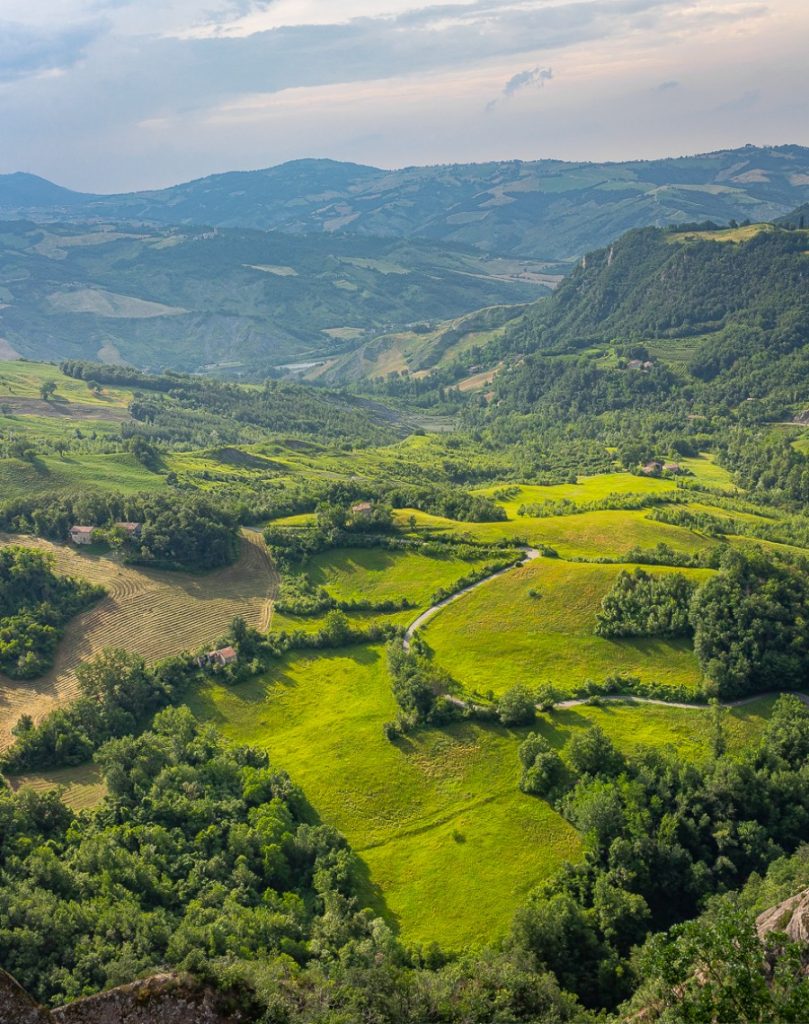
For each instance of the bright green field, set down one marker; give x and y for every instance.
(449, 844)
(498, 636)
(586, 488)
(355, 573)
(586, 534)
(437, 819)
(22, 379)
(116, 472)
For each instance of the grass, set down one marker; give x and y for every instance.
(436, 819)
(99, 472)
(82, 787)
(706, 471)
(587, 534)
(586, 488)
(498, 636)
(379, 575)
(688, 730)
(20, 378)
(740, 234)
(154, 613)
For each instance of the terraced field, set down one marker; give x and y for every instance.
(82, 787)
(155, 613)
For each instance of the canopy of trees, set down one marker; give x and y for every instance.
(35, 605)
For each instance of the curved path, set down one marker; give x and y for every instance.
(530, 555)
(625, 698)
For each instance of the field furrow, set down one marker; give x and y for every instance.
(153, 612)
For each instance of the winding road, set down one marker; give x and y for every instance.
(612, 698)
(530, 555)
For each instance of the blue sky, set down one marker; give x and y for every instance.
(111, 95)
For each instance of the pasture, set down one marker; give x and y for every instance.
(155, 613)
(436, 818)
(379, 575)
(607, 534)
(499, 635)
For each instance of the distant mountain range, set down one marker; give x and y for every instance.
(546, 209)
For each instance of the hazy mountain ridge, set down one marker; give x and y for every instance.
(546, 209)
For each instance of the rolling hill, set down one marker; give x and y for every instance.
(232, 301)
(544, 209)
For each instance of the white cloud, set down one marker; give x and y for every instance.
(153, 91)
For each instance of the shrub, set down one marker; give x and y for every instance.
(517, 706)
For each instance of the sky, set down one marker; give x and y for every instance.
(115, 95)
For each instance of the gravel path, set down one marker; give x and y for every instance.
(530, 555)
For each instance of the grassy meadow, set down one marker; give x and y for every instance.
(499, 635)
(436, 818)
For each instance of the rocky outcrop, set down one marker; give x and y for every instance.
(161, 999)
(791, 916)
(16, 1006)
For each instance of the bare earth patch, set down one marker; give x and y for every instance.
(6, 349)
(111, 304)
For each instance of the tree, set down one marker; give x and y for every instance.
(715, 969)
(517, 706)
(543, 769)
(749, 625)
(47, 390)
(336, 629)
(592, 753)
(788, 730)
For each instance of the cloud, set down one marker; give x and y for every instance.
(154, 90)
(748, 99)
(30, 51)
(522, 80)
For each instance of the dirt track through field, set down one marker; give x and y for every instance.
(152, 612)
(530, 555)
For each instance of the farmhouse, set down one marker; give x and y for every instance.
(639, 364)
(652, 468)
(224, 656)
(132, 530)
(672, 467)
(82, 534)
(362, 508)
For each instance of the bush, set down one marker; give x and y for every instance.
(543, 770)
(517, 706)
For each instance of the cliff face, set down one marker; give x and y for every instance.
(791, 916)
(161, 999)
(16, 1006)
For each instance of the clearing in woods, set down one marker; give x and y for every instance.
(537, 623)
(153, 612)
(436, 818)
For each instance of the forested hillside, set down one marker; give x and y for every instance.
(705, 319)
